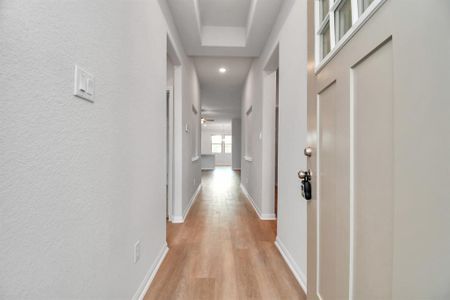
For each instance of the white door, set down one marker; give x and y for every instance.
(379, 126)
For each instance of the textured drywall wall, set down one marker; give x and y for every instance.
(80, 182)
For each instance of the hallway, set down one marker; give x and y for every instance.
(223, 250)
(118, 118)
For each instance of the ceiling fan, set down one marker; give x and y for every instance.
(204, 120)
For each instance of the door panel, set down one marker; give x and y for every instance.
(371, 179)
(332, 269)
(326, 199)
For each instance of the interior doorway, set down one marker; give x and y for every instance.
(269, 137)
(216, 143)
(173, 128)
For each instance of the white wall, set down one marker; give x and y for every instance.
(290, 35)
(187, 173)
(251, 129)
(292, 229)
(191, 168)
(236, 132)
(222, 159)
(81, 182)
(170, 73)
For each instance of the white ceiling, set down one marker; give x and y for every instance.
(221, 106)
(223, 33)
(224, 27)
(221, 92)
(224, 13)
(210, 77)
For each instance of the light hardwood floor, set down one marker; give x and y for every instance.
(223, 250)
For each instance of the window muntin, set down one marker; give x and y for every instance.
(335, 18)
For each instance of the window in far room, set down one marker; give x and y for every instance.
(216, 144)
(227, 144)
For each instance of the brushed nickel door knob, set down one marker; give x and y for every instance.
(308, 151)
(304, 175)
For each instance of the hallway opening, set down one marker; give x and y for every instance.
(216, 144)
(223, 250)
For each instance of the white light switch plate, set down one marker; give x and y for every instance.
(84, 84)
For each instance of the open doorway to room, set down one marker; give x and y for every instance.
(269, 136)
(173, 136)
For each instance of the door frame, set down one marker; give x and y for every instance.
(175, 214)
(169, 151)
(267, 136)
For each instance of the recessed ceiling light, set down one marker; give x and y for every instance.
(222, 70)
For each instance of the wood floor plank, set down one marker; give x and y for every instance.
(223, 250)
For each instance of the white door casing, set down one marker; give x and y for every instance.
(170, 152)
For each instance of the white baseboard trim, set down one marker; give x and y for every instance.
(181, 219)
(265, 217)
(191, 202)
(177, 219)
(268, 216)
(145, 285)
(295, 269)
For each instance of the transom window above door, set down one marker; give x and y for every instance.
(336, 22)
